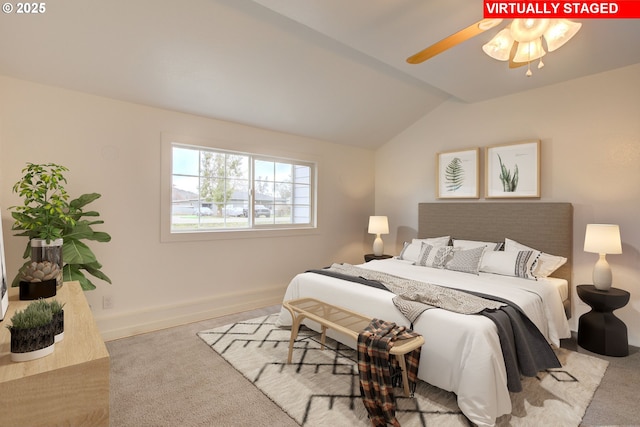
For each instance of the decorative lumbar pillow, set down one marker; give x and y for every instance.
(513, 263)
(471, 244)
(546, 263)
(434, 241)
(411, 251)
(466, 261)
(434, 256)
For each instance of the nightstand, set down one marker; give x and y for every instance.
(600, 330)
(370, 257)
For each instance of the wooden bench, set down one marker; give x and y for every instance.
(346, 322)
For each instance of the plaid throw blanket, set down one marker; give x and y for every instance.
(374, 367)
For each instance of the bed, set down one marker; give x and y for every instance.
(462, 353)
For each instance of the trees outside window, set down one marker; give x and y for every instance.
(216, 190)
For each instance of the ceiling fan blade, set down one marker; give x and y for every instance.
(453, 40)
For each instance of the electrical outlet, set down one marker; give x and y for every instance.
(107, 302)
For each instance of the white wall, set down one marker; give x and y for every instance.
(590, 136)
(113, 148)
(590, 133)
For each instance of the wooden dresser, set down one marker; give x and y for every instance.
(69, 387)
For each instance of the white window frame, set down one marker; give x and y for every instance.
(254, 230)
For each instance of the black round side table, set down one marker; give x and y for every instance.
(600, 330)
(371, 257)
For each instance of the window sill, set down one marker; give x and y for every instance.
(195, 236)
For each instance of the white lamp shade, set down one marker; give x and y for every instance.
(378, 225)
(602, 239)
(529, 51)
(499, 47)
(559, 32)
(526, 30)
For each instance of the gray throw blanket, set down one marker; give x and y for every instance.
(414, 297)
(525, 350)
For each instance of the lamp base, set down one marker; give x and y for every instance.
(602, 276)
(378, 246)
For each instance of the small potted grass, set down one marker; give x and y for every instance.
(32, 333)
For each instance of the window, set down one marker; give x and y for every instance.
(220, 190)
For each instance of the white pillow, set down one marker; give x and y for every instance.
(411, 251)
(466, 261)
(512, 263)
(434, 241)
(471, 244)
(434, 256)
(546, 264)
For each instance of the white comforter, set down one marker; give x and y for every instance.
(461, 353)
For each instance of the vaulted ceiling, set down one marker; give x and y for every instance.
(328, 69)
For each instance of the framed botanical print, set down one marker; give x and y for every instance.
(513, 170)
(457, 174)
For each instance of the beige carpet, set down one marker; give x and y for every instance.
(168, 378)
(321, 387)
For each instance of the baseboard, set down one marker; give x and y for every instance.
(124, 325)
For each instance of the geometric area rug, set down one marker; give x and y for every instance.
(321, 387)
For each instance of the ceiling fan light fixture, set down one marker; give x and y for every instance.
(519, 43)
(526, 30)
(529, 51)
(559, 32)
(499, 47)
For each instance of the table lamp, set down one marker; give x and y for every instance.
(378, 225)
(602, 239)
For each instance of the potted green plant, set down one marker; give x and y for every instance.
(48, 214)
(41, 217)
(32, 334)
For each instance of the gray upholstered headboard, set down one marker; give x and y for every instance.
(547, 227)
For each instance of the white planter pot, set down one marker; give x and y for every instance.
(32, 355)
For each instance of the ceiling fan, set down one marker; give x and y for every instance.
(520, 42)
